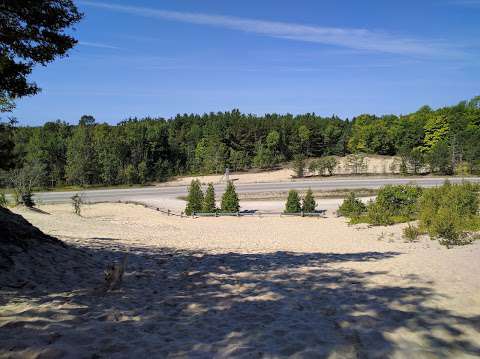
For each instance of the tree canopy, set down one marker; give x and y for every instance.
(32, 32)
(153, 149)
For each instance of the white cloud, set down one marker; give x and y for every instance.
(359, 39)
(98, 45)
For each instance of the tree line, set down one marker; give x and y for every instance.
(154, 149)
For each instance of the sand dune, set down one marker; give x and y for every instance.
(244, 287)
(374, 165)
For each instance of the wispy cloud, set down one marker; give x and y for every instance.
(358, 39)
(98, 45)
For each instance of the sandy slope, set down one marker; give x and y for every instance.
(246, 287)
(374, 165)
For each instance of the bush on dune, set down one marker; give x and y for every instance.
(352, 207)
(411, 233)
(449, 212)
(394, 204)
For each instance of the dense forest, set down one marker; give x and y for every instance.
(154, 149)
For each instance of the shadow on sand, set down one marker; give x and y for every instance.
(194, 304)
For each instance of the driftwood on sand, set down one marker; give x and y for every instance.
(114, 274)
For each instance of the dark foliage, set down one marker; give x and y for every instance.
(32, 32)
(308, 202)
(230, 202)
(194, 198)
(147, 150)
(293, 202)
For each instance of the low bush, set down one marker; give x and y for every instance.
(324, 166)
(351, 207)
(394, 204)
(299, 165)
(377, 215)
(449, 212)
(411, 233)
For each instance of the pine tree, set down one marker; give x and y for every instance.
(230, 201)
(309, 204)
(293, 202)
(195, 198)
(209, 200)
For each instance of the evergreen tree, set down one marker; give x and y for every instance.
(195, 198)
(309, 204)
(230, 201)
(293, 202)
(209, 200)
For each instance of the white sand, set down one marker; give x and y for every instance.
(374, 165)
(247, 287)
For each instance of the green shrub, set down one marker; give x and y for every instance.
(351, 207)
(377, 215)
(329, 164)
(399, 200)
(308, 203)
(209, 200)
(194, 198)
(293, 202)
(230, 202)
(324, 166)
(299, 166)
(411, 233)
(449, 212)
(463, 169)
(394, 204)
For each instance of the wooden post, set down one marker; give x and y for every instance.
(168, 212)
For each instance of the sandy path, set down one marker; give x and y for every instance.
(247, 287)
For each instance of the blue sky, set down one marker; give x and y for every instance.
(343, 57)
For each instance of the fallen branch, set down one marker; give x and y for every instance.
(114, 274)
